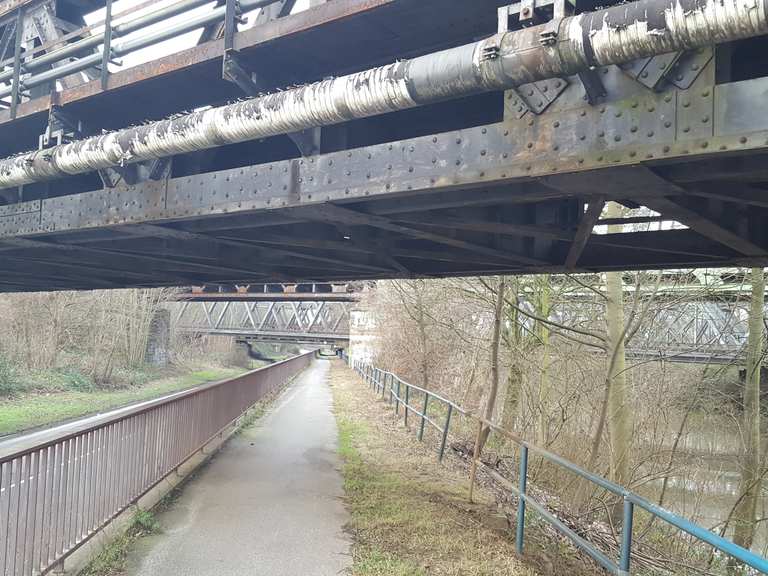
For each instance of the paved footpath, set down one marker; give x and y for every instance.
(268, 504)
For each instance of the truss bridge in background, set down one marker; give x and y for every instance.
(315, 322)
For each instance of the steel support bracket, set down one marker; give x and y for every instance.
(62, 128)
(132, 174)
(594, 89)
(689, 67)
(529, 12)
(537, 96)
(234, 71)
(307, 141)
(652, 72)
(679, 69)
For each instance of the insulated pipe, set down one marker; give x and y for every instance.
(127, 46)
(559, 48)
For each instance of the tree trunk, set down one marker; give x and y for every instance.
(746, 511)
(543, 304)
(422, 336)
(618, 411)
(498, 318)
(515, 377)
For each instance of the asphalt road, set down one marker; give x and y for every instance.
(268, 504)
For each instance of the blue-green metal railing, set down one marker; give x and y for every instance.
(384, 382)
(399, 393)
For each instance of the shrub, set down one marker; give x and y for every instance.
(76, 380)
(10, 383)
(144, 522)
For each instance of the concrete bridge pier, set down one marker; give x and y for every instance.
(159, 339)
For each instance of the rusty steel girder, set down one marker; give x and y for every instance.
(561, 47)
(439, 190)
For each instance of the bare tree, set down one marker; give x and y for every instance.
(493, 388)
(745, 514)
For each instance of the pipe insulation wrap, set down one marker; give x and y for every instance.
(640, 29)
(559, 48)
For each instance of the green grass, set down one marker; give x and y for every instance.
(377, 563)
(409, 515)
(111, 560)
(32, 410)
(375, 500)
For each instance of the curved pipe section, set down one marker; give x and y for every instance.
(558, 48)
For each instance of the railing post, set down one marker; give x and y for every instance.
(231, 18)
(626, 536)
(522, 487)
(407, 400)
(391, 390)
(444, 439)
(106, 55)
(475, 458)
(423, 416)
(397, 398)
(384, 385)
(16, 86)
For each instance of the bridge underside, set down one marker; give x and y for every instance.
(482, 185)
(525, 226)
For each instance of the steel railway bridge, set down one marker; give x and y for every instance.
(333, 140)
(376, 139)
(321, 321)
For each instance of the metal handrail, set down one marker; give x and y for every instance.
(80, 33)
(379, 378)
(57, 493)
(117, 49)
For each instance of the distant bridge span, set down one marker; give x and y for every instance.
(704, 331)
(313, 321)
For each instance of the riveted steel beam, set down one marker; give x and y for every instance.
(617, 136)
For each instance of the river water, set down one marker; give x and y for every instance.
(704, 485)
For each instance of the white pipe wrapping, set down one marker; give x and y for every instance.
(559, 48)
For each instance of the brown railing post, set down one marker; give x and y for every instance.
(444, 439)
(406, 406)
(423, 416)
(475, 458)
